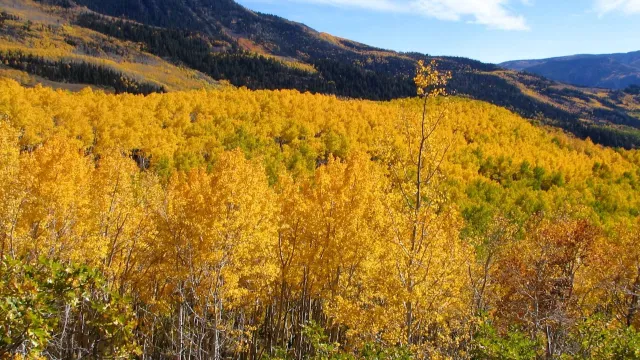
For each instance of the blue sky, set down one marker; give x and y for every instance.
(487, 30)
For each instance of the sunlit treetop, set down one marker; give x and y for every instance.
(429, 80)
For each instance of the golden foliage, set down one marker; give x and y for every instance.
(251, 213)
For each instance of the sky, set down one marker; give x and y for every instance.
(488, 30)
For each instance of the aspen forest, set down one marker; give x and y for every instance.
(229, 223)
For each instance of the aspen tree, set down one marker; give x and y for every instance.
(429, 256)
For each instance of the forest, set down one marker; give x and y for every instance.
(76, 72)
(238, 224)
(255, 71)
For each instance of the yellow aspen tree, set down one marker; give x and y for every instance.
(54, 220)
(428, 257)
(289, 257)
(121, 216)
(12, 193)
(342, 229)
(617, 274)
(217, 236)
(489, 245)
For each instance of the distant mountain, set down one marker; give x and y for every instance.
(168, 45)
(612, 71)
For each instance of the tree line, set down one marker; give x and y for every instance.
(76, 72)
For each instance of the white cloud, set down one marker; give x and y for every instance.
(625, 6)
(492, 13)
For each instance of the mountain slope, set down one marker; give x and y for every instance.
(613, 71)
(38, 45)
(224, 41)
(239, 180)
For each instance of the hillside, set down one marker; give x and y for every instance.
(196, 42)
(37, 45)
(612, 71)
(233, 223)
(190, 179)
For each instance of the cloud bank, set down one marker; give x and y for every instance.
(491, 13)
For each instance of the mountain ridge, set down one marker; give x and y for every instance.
(615, 71)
